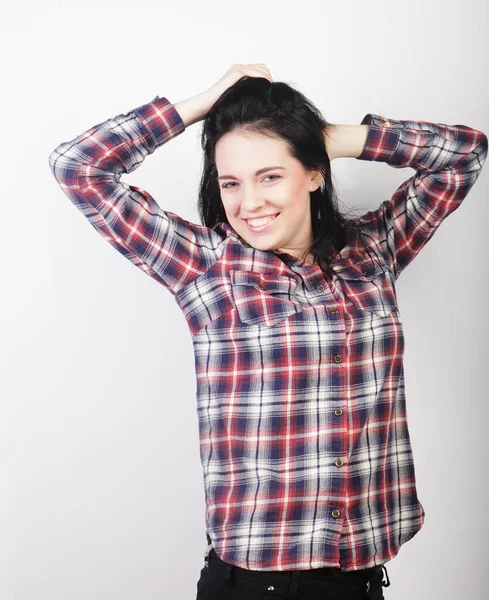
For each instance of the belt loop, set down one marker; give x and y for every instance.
(293, 588)
(368, 583)
(294, 580)
(388, 582)
(228, 575)
(207, 550)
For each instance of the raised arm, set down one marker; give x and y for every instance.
(88, 169)
(448, 160)
(170, 249)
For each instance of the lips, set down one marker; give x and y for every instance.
(261, 227)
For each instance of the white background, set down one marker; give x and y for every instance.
(101, 490)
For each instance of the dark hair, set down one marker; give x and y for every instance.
(274, 108)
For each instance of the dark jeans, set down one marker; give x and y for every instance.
(222, 581)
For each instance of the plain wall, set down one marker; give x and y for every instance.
(101, 484)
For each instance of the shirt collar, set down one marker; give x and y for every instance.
(349, 261)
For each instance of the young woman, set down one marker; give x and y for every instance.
(308, 469)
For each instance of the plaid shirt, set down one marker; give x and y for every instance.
(304, 439)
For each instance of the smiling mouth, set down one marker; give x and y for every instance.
(259, 224)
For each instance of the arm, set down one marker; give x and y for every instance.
(88, 169)
(194, 109)
(447, 159)
(343, 141)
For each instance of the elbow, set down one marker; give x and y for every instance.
(481, 148)
(483, 141)
(61, 164)
(54, 160)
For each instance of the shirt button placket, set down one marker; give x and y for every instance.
(338, 462)
(320, 288)
(338, 411)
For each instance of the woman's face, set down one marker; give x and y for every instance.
(265, 192)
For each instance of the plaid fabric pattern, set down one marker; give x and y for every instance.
(304, 438)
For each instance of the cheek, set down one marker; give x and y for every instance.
(230, 208)
(298, 201)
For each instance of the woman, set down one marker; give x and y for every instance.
(308, 469)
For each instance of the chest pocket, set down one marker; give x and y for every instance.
(370, 289)
(263, 298)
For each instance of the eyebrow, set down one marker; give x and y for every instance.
(257, 173)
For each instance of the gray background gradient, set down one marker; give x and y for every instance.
(100, 477)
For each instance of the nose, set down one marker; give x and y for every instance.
(251, 200)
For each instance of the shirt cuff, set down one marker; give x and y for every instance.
(160, 119)
(382, 138)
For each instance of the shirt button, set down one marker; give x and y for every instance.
(334, 310)
(338, 462)
(365, 273)
(320, 288)
(336, 513)
(262, 286)
(270, 588)
(338, 411)
(337, 358)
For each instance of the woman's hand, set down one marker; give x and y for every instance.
(195, 108)
(234, 74)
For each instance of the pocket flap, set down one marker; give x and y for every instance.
(265, 282)
(364, 271)
(264, 298)
(371, 291)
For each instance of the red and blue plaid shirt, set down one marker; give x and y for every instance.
(304, 439)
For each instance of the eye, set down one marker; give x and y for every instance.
(225, 186)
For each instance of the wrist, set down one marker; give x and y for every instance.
(345, 141)
(193, 109)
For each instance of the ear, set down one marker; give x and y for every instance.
(315, 180)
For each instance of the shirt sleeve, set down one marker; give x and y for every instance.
(170, 249)
(448, 160)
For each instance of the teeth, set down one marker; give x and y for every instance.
(260, 222)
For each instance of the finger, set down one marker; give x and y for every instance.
(264, 72)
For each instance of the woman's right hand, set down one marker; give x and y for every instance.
(195, 108)
(234, 74)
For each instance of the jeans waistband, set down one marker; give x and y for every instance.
(362, 574)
